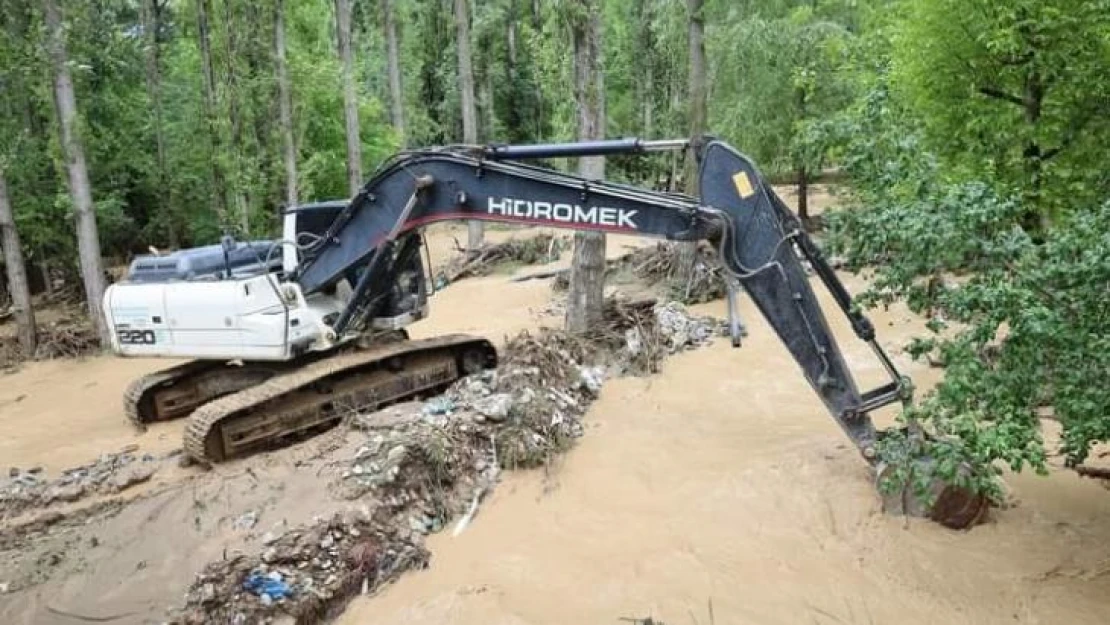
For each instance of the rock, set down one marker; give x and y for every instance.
(266, 599)
(64, 492)
(13, 472)
(327, 542)
(34, 470)
(126, 478)
(632, 341)
(526, 395)
(495, 407)
(592, 379)
(439, 406)
(246, 521)
(269, 555)
(269, 538)
(274, 575)
(396, 454)
(130, 449)
(208, 592)
(4, 586)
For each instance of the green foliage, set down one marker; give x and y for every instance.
(1006, 91)
(118, 124)
(1020, 321)
(780, 72)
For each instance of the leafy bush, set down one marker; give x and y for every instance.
(1022, 325)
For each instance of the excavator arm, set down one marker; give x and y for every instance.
(758, 237)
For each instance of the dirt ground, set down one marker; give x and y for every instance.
(716, 491)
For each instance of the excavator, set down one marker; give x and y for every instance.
(282, 338)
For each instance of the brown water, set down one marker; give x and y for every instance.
(722, 482)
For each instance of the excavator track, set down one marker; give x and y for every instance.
(176, 391)
(319, 394)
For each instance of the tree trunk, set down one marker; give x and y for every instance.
(88, 240)
(17, 273)
(475, 230)
(219, 186)
(684, 267)
(803, 173)
(515, 119)
(803, 196)
(239, 187)
(285, 106)
(47, 282)
(1037, 219)
(350, 98)
(645, 88)
(152, 21)
(488, 106)
(396, 92)
(585, 299)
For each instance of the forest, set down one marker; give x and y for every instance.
(968, 137)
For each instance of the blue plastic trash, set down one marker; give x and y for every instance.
(258, 584)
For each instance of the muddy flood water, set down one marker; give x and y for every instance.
(718, 491)
(721, 486)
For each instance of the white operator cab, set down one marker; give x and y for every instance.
(229, 301)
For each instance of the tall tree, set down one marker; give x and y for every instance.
(585, 300)
(239, 189)
(350, 98)
(285, 106)
(396, 91)
(88, 238)
(466, 91)
(698, 113)
(219, 186)
(698, 92)
(17, 273)
(151, 15)
(1003, 88)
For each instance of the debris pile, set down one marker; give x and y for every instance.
(538, 249)
(305, 575)
(657, 266)
(109, 474)
(637, 334)
(422, 465)
(68, 337)
(443, 451)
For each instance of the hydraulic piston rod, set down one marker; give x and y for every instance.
(606, 147)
